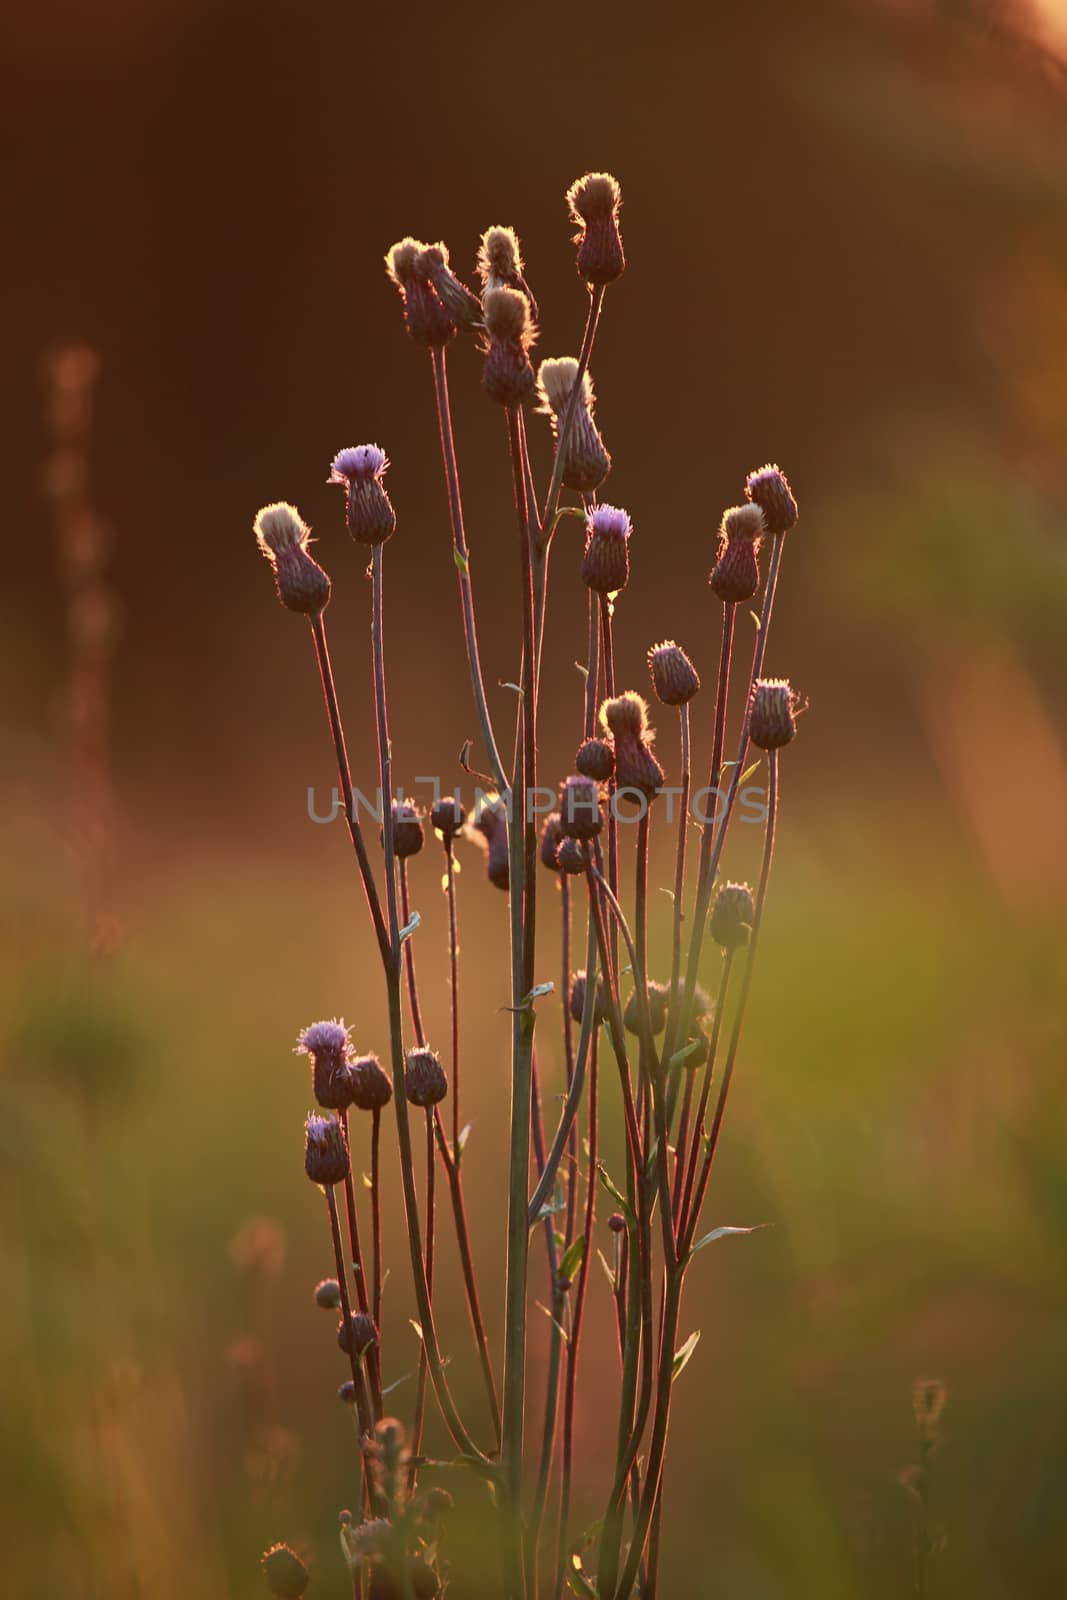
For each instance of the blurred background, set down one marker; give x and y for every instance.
(846, 228)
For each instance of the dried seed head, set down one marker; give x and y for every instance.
(447, 816)
(551, 837)
(509, 378)
(674, 676)
(571, 858)
(625, 717)
(772, 722)
(636, 769)
(555, 380)
(407, 829)
(282, 535)
(587, 462)
(617, 1222)
(742, 522)
(357, 1334)
(463, 306)
(325, 1152)
(369, 1084)
(606, 562)
(500, 264)
(328, 1294)
(425, 1083)
(732, 916)
(595, 759)
(492, 825)
(593, 202)
(579, 808)
(369, 514)
(659, 995)
(577, 998)
(328, 1045)
(425, 317)
(286, 1574)
(768, 488)
(735, 575)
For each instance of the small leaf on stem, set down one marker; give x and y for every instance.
(682, 1354)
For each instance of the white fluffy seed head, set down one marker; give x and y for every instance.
(279, 527)
(555, 380)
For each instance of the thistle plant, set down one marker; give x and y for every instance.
(654, 1043)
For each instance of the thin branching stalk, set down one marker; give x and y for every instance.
(596, 302)
(431, 1192)
(363, 1407)
(689, 1165)
(556, 1303)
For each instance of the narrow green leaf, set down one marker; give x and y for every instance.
(750, 770)
(616, 1194)
(461, 560)
(560, 1329)
(680, 1057)
(577, 1582)
(583, 670)
(682, 1354)
(572, 1257)
(417, 1326)
(609, 1271)
(539, 991)
(406, 932)
(723, 1233)
(755, 617)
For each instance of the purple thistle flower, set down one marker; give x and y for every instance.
(359, 462)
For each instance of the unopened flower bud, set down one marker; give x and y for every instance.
(617, 1222)
(492, 825)
(462, 306)
(674, 676)
(735, 576)
(369, 1084)
(325, 1152)
(586, 462)
(626, 718)
(579, 808)
(577, 998)
(771, 721)
(425, 317)
(282, 536)
(509, 378)
(328, 1294)
(659, 995)
(369, 514)
(357, 1334)
(407, 829)
(551, 838)
(425, 1083)
(346, 1393)
(595, 759)
(500, 263)
(286, 1574)
(447, 816)
(732, 916)
(768, 488)
(328, 1045)
(572, 858)
(594, 202)
(606, 562)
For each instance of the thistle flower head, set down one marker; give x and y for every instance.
(357, 1334)
(743, 522)
(358, 463)
(402, 261)
(329, 1046)
(768, 488)
(625, 717)
(586, 461)
(772, 720)
(674, 677)
(735, 575)
(577, 998)
(425, 1083)
(595, 759)
(551, 838)
(425, 315)
(278, 527)
(325, 1152)
(491, 823)
(369, 1084)
(732, 915)
(659, 995)
(555, 380)
(509, 378)
(571, 858)
(606, 562)
(617, 1222)
(282, 536)
(464, 308)
(579, 808)
(593, 203)
(636, 768)
(500, 259)
(407, 829)
(328, 1294)
(286, 1574)
(507, 316)
(447, 816)
(346, 1392)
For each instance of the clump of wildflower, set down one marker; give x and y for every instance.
(286, 1575)
(461, 304)
(636, 768)
(492, 824)
(369, 514)
(408, 834)
(425, 1083)
(772, 722)
(447, 815)
(732, 915)
(659, 995)
(283, 536)
(325, 1152)
(330, 1049)
(735, 575)
(595, 759)
(579, 808)
(369, 1084)
(509, 378)
(674, 676)
(425, 315)
(577, 998)
(500, 264)
(586, 462)
(606, 562)
(768, 488)
(593, 202)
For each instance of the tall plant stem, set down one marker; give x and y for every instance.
(679, 860)
(452, 1418)
(344, 773)
(689, 1166)
(592, 666)
(359, 1273)
(409, 958)
(376, 1210)
(431, 1189)
(596, 302)
(557, 1295)
(608, 651)
(462, 559)
(363, 1408)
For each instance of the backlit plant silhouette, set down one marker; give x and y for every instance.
(670, 1051)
